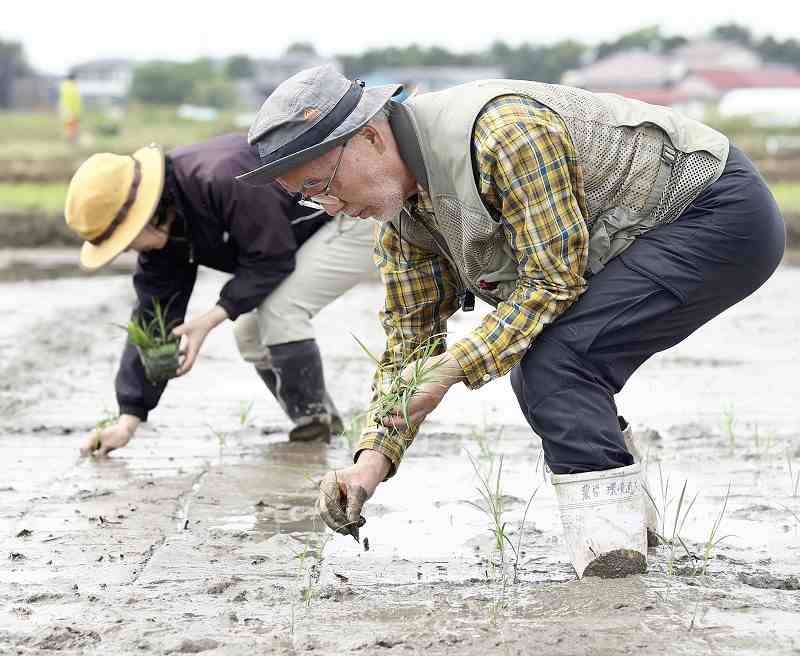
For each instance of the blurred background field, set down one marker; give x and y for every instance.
(746, 86)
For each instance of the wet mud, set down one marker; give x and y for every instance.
(201, 536)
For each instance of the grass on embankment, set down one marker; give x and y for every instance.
(48, 197)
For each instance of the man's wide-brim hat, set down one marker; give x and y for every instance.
(309, 114)
(111, 198)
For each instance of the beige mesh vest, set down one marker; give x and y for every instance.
(642, 165)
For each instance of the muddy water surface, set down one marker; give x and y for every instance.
(201, 536)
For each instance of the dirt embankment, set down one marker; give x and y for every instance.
(36, 227)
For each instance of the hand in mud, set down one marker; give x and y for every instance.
(193, 333)
(102, 441)
(444, 372)
(343, 493)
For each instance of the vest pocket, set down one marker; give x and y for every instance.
(612, 233)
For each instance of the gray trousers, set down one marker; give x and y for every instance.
(334, 259)
(670, 282)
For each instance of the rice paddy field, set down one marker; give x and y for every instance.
(201, 535)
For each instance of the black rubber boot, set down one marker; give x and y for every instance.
(296, 380)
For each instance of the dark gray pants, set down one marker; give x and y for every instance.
(670, 282)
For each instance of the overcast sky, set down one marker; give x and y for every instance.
(58, 34)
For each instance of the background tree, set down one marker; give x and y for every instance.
(12, 66)
(239, 67)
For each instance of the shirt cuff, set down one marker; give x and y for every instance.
(229, 307)
(476, 360)
(135, 410)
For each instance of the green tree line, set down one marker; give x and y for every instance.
(213, 83)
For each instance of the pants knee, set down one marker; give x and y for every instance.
(249, 342)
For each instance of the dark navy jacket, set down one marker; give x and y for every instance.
(250, 232)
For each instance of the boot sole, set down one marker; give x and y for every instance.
(310, 433)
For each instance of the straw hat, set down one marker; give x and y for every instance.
(111, 198)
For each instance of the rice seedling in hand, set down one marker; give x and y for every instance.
(157, 346)
(404, 380)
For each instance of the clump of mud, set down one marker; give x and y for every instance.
(65, 637)
(765, 580)
(194, 646)
(617, 564)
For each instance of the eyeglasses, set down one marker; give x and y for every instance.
(315, 201)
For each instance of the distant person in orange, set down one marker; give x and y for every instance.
(69, 105)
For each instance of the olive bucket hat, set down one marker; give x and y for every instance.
(111, 198)
(309, 114)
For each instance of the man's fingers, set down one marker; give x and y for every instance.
(91, 444)
(329, 503)
(106, 447)
(356, 498)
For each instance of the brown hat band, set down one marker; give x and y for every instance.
(122, 212)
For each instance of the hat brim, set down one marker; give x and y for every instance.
(147, 198)
(373, 99)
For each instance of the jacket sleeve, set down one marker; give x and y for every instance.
(262, 231)
(157, 276)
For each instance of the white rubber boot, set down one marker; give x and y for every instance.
(651, 516)
(604, 521)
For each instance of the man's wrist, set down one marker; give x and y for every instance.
(129, 422)
(375, 461)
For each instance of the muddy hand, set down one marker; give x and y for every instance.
(339, 504)
(343, 493)
(101, 441)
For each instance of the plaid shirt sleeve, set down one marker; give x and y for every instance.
(421, 293)
(529, 176)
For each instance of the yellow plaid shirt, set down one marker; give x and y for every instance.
(528, 176)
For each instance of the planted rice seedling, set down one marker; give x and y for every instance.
(713, 540)
(494, 507)
(245, 408)
(682, 511)
(728, 423)
(794, 477)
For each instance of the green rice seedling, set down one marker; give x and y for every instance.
(245, 408)
(728, 423)
(106, 420)
(682, 511)
(353, 429)
(486, 445)
(155, 331)
(310, 559)
(677, 528)
(158, 348)
(763, 442)
(794, 478)
(493, 499)
(400, 390)
(713, 540)
(518, 550)
(221, 438)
